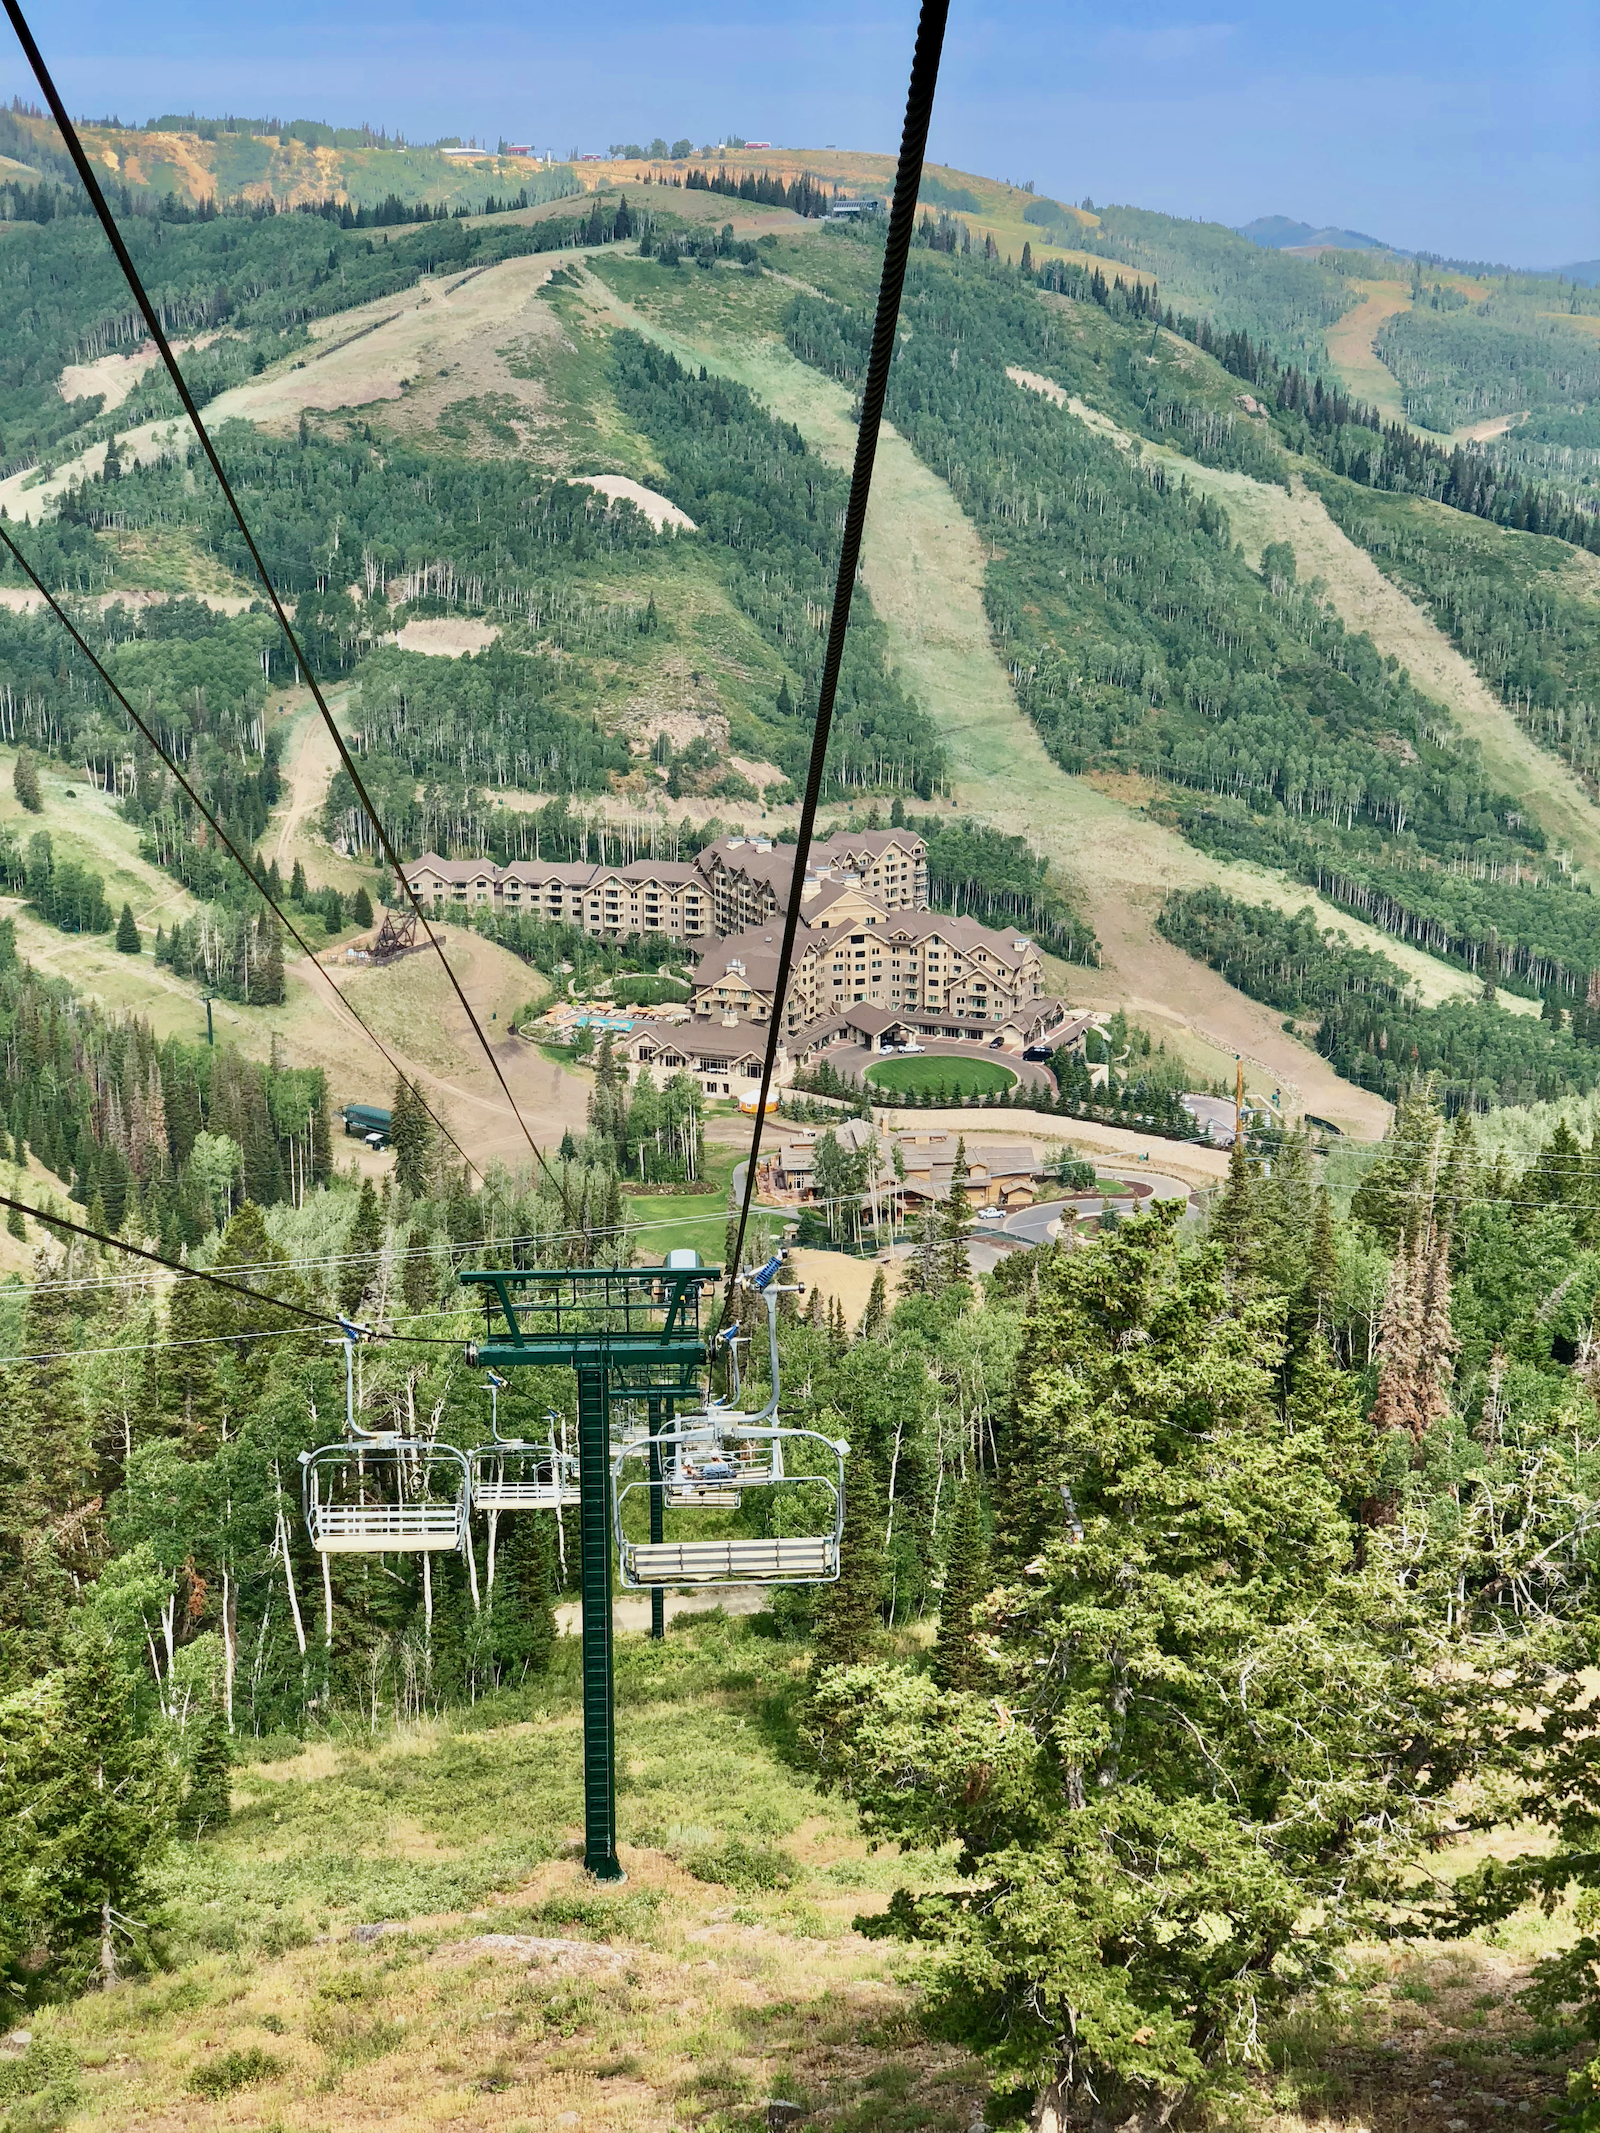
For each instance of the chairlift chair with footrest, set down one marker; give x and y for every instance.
(715, 1460)
(381, 1492)
(518, 1473)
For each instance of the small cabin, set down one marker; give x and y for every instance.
(368, 1122)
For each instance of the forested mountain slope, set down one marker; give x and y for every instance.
(1069, 425)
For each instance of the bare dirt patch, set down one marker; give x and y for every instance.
(117, 374)
(1486, 432)
(1360, 367)
(659, 510)
(429, 347)
(446, 636)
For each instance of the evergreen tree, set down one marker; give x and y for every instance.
(1235, 1220)
(955, 1254)
(362, 1243)
(877, 1310)
(1158, 1855)
(956, 1662)
(25, 782)
(849, 1613)
(361, 908)
(297, 884)
(97, 1797)
(128, 942)
(411, 1137)
(1322, 1262)
(271, 993)
(417, 1284)
(924, 1270)
(208, 1802)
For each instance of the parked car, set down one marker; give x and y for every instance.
(1041, 1054)
(913, 1047)
(991, 1214)
(997, 1044)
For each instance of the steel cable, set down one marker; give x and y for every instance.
(218, 830)
(908, 176)
(97, 199)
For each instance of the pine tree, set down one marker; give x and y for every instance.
(272, 990)
(924, 1270)
(208, 1802)
(361, 1244)
(411, 1137)
(1166, 1533)
(361, 908)
(99, 1796)
(849, 1613)
(25, 782)
(1235, 1221)
(955, 1255)
(128, 942)
(956, 1661)
(297, 884)
(417, 1284)
(1322, 1262)
(877, 1310)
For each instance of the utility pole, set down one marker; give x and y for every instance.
(1238, 1095)
(211, 1035)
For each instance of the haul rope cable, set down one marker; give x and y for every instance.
(221, 833)
(908, 174)
(91, 186)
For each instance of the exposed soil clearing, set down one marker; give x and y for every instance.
(114, 376)
(659, 510)
(1360, 368)
(23, 600)
(446, 636)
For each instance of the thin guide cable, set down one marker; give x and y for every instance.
(91, 186)
(220, 832)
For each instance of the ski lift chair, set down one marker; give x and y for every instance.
(380, 1492)
(516, 1473)
(709, 1461)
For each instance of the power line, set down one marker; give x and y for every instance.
(91, 186)
(221, 833)
(908, 175)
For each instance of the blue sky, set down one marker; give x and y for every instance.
(1469, 129)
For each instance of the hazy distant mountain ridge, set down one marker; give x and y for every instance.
(1277, 233)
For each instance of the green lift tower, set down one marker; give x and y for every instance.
(631, 1335)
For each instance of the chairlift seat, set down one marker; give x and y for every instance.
(528, 1477)
(810, 1559)
(404, 1528)
(382, 1496)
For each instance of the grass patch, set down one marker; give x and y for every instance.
(959, 1077)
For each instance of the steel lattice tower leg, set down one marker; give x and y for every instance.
(594, 1527)
(658, 1528)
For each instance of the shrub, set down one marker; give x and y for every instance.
(231, 2071)
(736, 1863)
